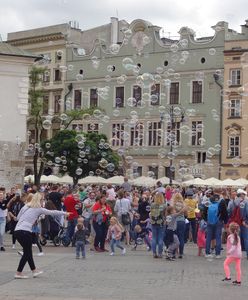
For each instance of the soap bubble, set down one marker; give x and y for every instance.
(47, 124)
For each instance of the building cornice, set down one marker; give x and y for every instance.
(37, 39)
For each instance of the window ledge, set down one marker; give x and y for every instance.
(239, 117)
(231, 157)
(234, 85)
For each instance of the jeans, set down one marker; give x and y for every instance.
(71, 228)
(116, 243)
(157, 239)
(192, 224)
(25, 240)
(101, 233)
(244, 238)
(181, 234)
(214, 231)
(2, 229)
(80, 245)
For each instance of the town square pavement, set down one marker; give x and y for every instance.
(133, 276)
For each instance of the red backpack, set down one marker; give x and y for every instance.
(236, 216)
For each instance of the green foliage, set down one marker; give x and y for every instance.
(80, 150)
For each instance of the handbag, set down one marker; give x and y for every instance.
(125, 219)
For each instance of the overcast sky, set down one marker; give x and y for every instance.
(171, 15)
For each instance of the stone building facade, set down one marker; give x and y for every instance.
(234, 162)
(14, 83)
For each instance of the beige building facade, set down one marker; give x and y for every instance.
(234, 156)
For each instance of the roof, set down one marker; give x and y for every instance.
(6, 49)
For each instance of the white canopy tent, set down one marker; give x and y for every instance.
(49, 179)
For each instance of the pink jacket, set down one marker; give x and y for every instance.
(233, 250)
(114, 230)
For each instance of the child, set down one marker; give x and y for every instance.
(142, 233)
(171, 239)
(114, 235)
(201, 236)
(36, 238)
(234, 253)
(79, 239)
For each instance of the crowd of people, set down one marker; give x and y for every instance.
(110, 217)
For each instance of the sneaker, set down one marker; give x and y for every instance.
(2, 249)
(83, 257)
(13, 246)
(133, 249)
(218, 256)
(20, 253)
(34, 245)
(37, 273)
(180, 256)
(123, 252)
(155, 256)
(77, 257)
(208, 255)
(112, 254)
(226, 279)
(40, 254)
(169, 258)
(236, 282)
(20, 276)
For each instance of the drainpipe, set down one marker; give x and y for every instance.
(69, 87)
(216, 79)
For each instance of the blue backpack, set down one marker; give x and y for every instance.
(213, 213)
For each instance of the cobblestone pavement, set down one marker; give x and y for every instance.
(134, 276)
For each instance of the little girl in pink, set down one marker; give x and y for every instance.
(234, 253)
(201, 237)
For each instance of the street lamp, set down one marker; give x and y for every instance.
(174, 114)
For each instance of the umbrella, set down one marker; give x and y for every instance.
(92, 179)
(195, 181)
(144, 181)
(230, 182)
(242, 181)
(29, 178)
(212, 181)
(166, 180)
(66, 179)
(117, 180)
(50, 179)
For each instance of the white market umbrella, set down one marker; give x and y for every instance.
(29, 178)
(242, 181)
(212, 181)
(195, 181)
(49, 179)
(145, 181)
(66, 179)
(117, 180)
(230, 182)
(166, 180)
(92, 180)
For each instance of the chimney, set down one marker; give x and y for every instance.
(114, 30)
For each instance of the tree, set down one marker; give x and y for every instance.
(81, 154)
(40, 123)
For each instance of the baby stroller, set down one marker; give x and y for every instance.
(54, 231)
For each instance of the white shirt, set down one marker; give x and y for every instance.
(28, 215)
(122, 206)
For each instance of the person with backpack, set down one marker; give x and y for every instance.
(215, 214)
(238, 213)
(157, 215)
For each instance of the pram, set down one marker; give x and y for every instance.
(53, 230)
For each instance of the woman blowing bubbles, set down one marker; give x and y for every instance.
(23, 232)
